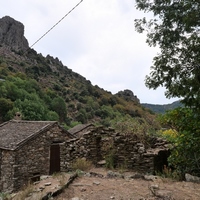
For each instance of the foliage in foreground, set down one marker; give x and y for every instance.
(175, 29)
(184, 133)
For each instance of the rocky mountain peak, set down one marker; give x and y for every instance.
(128, 95)
(12, 34)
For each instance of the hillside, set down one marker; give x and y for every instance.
(162, 108)
(42, 88)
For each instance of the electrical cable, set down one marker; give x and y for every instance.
(56, 24)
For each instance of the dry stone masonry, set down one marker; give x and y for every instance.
(128, 151)
(30, 149)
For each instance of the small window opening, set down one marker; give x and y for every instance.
(35, 177)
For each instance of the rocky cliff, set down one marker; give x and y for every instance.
(128, 95)
(12, 34)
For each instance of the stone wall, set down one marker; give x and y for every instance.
(138, 152)
(89, 146)
(7, 171)
(128, 151)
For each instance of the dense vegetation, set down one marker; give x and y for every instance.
(184, 132)
(43, 89)
(175, 29)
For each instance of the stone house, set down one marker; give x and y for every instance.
(29, 149)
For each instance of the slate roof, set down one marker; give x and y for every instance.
(14, 132)
(79, 128)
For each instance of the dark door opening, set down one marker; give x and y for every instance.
(54, 158)
(161, 160)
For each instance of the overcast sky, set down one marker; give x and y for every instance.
(97, 40)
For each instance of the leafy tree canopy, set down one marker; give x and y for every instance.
(185, 155)
(175, 28)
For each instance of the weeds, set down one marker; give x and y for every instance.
(61, 177)
(25, 193)
(4, 196)
(82, 164)
(110, 160)
(123, 167)
(167, 172)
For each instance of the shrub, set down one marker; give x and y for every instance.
(110, 160)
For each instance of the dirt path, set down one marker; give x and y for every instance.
(101, 184)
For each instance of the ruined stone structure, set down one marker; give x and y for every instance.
(89, 146)
(145, 154)
(128, 151)
(29, 149)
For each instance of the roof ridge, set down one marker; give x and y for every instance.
(33, 135)
(15, 133)
(28, 121)
(2, 124)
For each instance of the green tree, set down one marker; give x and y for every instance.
(82, 116)
(5, 106)
(58, 105)
(52, 116)
(31, 110)
(175, 29)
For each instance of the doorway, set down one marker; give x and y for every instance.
(161, 160)
(54, 158)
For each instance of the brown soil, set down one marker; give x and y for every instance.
(102, 184)
(95, 187)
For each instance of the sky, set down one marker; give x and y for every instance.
(97, 40)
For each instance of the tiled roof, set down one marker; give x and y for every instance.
(15, 132)
(79, 128)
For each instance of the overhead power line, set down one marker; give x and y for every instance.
(56, 24)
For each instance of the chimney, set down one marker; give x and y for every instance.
(18, 116)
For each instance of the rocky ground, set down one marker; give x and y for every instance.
(102, 184)
(129, 186)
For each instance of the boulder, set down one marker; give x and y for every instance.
(190, 178)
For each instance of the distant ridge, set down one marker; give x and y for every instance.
(162, 108)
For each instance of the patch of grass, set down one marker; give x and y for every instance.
(123, 167)
(25, 192)
(110, 160)
(61, 176)
(4, 196)
(167, 172)
(82, 164)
